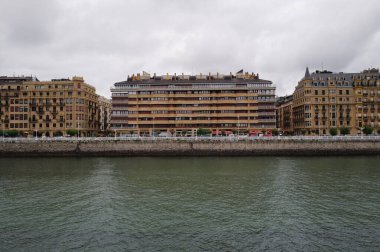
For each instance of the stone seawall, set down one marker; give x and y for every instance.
(166, 147)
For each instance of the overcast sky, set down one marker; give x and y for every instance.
(104, 41)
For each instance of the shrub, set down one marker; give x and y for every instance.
(71, 132)
(367, 130)
(344, 130)
(57, 134)
(10, 133)
(203, 132)
(333, 131)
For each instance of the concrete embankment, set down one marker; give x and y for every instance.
(165, 147)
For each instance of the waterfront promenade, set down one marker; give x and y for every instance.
(192, 146)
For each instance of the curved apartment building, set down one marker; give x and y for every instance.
(183, 104)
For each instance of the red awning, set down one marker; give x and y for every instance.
(255, 131)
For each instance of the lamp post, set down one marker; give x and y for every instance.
(153, 127)
(36, 130)
(78, 127)
(361, 132)
(2, 123)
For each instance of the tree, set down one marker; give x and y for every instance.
(378, 131)
(367, 130)
(274, 132)
(57, 133)
(344, 130)
(71, 132)
(333, 131)
(203, 132)
(10, 133)
(303, 131)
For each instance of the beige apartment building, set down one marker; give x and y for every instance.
(182, 104)
(367, 98)
(284, 115)
(48, 108)
(104, 106)
(324, 100)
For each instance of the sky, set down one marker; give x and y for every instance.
(106, 40)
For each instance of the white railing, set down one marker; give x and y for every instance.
(199, 138)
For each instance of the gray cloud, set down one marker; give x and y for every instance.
(104, 41)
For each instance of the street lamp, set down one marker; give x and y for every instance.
(36, 130)
(78, 126)
(153, 127)
(2, 122)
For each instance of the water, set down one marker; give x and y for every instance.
(190, 204)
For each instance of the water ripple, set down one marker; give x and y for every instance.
(190, 204)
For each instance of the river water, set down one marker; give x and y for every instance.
(190, 204)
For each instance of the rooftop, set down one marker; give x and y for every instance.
(146, 78)
(16, 79)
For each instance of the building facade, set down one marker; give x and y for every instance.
(183, 104)
(48, 108)
(284, 114)
(325, 100)
(104, 106)
(367, 98)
